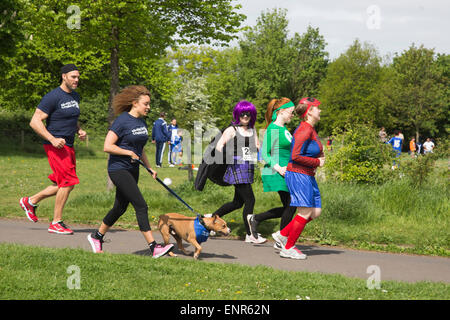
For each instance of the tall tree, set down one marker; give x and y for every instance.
(274, 65)
(421, 98)
(308, 65)
(129, 30)
(10, 32)
(349, 92)
(218, 69)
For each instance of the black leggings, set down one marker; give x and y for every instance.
(127, 191)
(243, 196)
(286, 212)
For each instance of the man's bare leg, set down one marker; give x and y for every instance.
(61, 198)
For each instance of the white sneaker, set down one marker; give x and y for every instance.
(292, 253)
(171, 165)
(280, 240)
(252, 239)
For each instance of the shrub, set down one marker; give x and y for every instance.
(418, 170)
(359, 156)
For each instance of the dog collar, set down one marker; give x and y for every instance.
(200, 219)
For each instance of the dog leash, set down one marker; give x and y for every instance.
(171, 191)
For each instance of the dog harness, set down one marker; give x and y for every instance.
(201, 232)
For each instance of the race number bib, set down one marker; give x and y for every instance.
(246, 154)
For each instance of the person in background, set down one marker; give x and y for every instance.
(173, 128)
(412, 147)
(160, 135)
(177, 148)
(60, 110)
(428, 146)
(382, 134)
(125, 143)
(396, 143)
(329, 143)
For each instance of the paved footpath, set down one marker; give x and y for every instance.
(347, 262)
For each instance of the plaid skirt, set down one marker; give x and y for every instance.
(239, 173)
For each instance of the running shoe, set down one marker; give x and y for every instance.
(252, 239)
(253, 224)
(96, 244)
(29, 209)
(292, 253)
(280, 241)
(161, 250)
(59, 228)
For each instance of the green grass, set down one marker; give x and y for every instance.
(35, 273)
(391, 217)
(395, 216)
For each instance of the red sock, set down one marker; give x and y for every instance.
(298, 224)
(287, 229)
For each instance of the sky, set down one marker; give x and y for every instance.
(392, 26)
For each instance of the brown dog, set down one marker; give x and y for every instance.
(194, 230)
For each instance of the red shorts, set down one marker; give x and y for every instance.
(63, 164)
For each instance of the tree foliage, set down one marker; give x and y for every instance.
(349, 92)
(272, 65)
(421, 99)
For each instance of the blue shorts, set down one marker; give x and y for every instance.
(303, 189)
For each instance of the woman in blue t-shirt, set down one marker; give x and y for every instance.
(125, 142)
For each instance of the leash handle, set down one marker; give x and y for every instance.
(167, 188)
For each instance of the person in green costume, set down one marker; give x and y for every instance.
(276, 151)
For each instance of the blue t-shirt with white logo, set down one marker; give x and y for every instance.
(133, 135)
(396, 143)
(63, 111)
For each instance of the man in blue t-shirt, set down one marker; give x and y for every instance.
(60, 111)
(396, 143)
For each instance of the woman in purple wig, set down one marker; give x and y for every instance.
(242, 146)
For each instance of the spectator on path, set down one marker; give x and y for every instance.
(125, 142)
(60, 110)
(428, 146)
(160, 135)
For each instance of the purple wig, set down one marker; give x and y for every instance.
(243, 106)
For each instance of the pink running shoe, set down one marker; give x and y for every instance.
(97, 245)
(160, 250)
(30, 210)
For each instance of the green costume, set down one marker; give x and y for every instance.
(276, 149)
